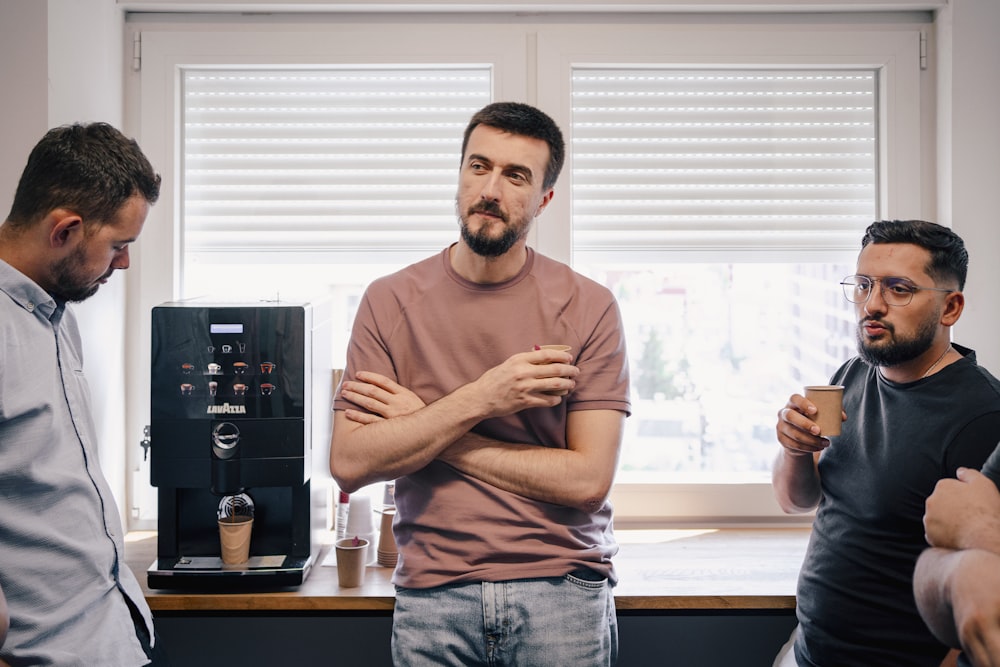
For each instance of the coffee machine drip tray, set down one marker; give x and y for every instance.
(210, 573)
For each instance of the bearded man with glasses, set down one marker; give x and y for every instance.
(916, 407)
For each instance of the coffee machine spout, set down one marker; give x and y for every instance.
(226, 478)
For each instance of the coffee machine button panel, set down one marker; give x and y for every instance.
(228, 363)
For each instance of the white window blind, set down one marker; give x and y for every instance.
(713, 159)
(295, 165)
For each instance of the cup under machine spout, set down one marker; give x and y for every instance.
(231, 412)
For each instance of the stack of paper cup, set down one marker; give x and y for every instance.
(360, 522)
(387, 554)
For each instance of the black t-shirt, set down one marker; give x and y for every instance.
(992, 466)
(855, 594)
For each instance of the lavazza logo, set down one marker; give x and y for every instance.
(226, 409)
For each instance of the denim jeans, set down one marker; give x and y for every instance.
(554, 622)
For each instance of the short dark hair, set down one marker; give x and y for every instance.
(527, 121)
(949, 258)
(90, 169)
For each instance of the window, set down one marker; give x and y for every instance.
(718, 186)
(666, 160)
(305, 183)
(290, 174)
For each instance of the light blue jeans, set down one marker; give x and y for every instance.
(538, 622)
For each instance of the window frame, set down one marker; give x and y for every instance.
(531, 63)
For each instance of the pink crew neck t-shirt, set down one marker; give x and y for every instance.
(432, 331)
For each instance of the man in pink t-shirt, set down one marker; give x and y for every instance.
(503, 453)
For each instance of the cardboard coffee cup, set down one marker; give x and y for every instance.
(352, 555)
(829, 400)
(234, 536)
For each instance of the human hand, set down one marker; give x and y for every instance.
(796, 432)
(964, 513)
(527, 380)
(377, 393)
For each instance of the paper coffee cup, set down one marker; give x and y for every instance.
(352, 555)
(234, 536)
(829, 400)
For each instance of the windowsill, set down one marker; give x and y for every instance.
(743, 569)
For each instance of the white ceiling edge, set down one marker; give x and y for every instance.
(529, 6)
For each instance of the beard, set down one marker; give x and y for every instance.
(69, 284)
(899, 350)
(484, 244)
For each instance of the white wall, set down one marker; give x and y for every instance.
(969, 162)
(24, 80)
(62, 63)
(85, 85)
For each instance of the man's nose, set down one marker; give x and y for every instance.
(491, 186)
(876, 301)
(121, 260)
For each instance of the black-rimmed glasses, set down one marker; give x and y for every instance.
(895, 291)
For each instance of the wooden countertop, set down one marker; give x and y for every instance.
(659, 570)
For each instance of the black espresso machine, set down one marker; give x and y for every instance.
(238, 395)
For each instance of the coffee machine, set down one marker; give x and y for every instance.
(240, 394)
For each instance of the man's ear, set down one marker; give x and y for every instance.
(64, 226)
(953, 306)
(545, 202)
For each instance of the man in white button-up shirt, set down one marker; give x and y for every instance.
(82, 199)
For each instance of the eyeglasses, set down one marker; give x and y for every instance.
(894, 291)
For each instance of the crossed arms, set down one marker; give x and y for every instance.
(396, 433)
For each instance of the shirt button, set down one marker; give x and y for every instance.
(30, 307)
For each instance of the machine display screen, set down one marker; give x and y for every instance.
(226, 328)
